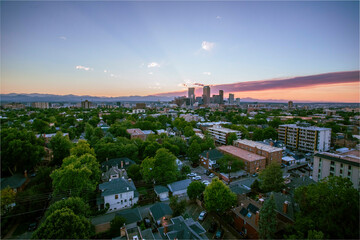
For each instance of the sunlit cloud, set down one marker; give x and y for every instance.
(155, 86)
(218, 17)
(153, 64)
(207, 46)
(105, 71)
(62, 38)
(189, 83)
(79, 67)
(207, 73)
(150, 73)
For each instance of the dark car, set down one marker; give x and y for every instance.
(32, 227)
(213, 227)
(254, 175)
(147, 222)
(219, 233)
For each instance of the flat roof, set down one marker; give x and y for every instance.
(258, 145)
(346, 158)
(306, 128)
(241, 153)
(225, 130)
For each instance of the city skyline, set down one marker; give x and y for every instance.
(250, 49)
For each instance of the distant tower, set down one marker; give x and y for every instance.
(206, 95)
(221, 94)
(231, 98)
(191, 95)
(290, 104)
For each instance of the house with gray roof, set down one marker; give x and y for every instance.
(162, 192)
(208, 158)
(120, 163)
(118, 193)
(132, 216)
(15, 182)
(181, 228)
(160, 212)
(179, 188)
(113, 173)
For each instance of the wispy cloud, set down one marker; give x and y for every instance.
(207, 46)
(153, 64)
(62, 38)
(155, 86)
(84, 68)
(285, 83)
(105, 71)
(218, 17)
(150, 73)
(207, 73)
(189, 83)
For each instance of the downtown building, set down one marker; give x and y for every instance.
(42, 105)
(206, 95)
(305, 138)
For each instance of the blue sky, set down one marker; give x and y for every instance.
(141, 48)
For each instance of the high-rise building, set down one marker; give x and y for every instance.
(221, 94)
(238, 101)
(231, 98)
(199, 100)
(206, 95)
(191, 95)
(43, 105)
(290, 104)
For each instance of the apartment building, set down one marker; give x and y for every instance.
(221, 134)
(136, 133)
(253, 162)
(338, 164)
(272, 154)
(305, 138)
(43, 105)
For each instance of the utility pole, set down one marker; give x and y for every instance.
(229, 167)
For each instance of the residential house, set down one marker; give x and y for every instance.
(181, 228)
(136, 133)
(17, 182)
(208, 158)
(118, 193)
(113, 173)
(160, 212)
(120, 163)
(132, 216)
(179, 188)
(162, 192)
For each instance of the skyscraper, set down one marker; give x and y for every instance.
(206, 95)
(221, 94)
(231, 98)
(191, 95)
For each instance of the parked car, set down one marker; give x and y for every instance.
(213, 227)
(254, 175)
(219, 233)
(211, 175)
(206, 182)
(196, 178)
(202, 216)
(32, 227)
(191, 175)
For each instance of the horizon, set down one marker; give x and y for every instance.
(259, 50)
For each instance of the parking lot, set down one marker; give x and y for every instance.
(200, 171)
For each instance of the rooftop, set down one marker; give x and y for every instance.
(116, 186)
(159, 210)
(351, 157)
(214, 154)
(240, 153)
(258, 145)
(179, 185)
(14, 181)
(224, 130)
(307, 128)
(135, 131)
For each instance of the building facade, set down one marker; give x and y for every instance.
(221, 134)
(206, 95)
(85, 104)
(272, 154)
(231, 98)
(43, 105)
(136, 133)
(345, 165)
(191, 95)
(305, 138)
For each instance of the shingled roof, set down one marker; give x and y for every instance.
(116, 186)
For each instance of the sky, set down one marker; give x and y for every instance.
(120, 48)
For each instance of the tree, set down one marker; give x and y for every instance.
(185, 170)
(195, 189)
(330, 206)
(231, 138)
(267, 221)
(134, 172)
(150, 150)
(7, 199)
(165, 168)
(258, 135)
(236, 164)
(194, 151)
(270, 133)
(20, 150)
(207, 143)
(178, 207)
(64, 224)
(81, 148)
(146, 169)
(218, 197)
(271, 178)
(89, 131)
(76, 204)
(115, 225)
(188, 131)
(255, 186)
(40, 125)
(61, 146)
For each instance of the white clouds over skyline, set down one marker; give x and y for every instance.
(207, 46)
(153, 64)
(207, 73)
(79, 67)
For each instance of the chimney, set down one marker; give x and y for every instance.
(122, 164)
(261, 200)
(25, 174)
(165, 229)
(257, 217)
(122, 231)
(271, 143)
(285, 206)
(284, 191)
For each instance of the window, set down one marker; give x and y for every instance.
(125, 200)
(116, 196)
(341, 165)
(349, 167)
(332, 163)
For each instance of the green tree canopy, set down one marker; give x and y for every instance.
(134, 172)
(218, 197)
(188, 131)
(76, 204)
(146, 169)
(7, 198)
(81, 148)
(270, 133)
(330, 206)
(231, 138)
(115, 225)
(194, 151)
(165, 168)
(61, 146)
(267, 221)
(271, 178)
(236, 164)
(258, 134)
(178, 207)
(64, 224)
(195, 189)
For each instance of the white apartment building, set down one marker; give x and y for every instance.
(342, 164)
(305, 138)
(221, 134)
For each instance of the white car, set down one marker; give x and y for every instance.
(191, 175)
(211, 175)
(196, 178)
(202, 216)
(206, 182)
